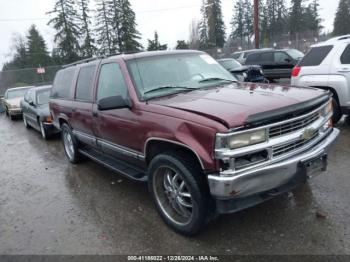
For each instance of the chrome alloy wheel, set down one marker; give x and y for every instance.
(172, 195)
(68, 144)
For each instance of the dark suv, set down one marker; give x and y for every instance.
(276, 64)
(205, 143)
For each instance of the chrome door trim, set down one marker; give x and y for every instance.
(120, 149)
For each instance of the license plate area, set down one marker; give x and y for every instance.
(315, 166)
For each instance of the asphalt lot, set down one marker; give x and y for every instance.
(48, 206)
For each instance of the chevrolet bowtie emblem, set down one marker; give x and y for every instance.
(308, 134)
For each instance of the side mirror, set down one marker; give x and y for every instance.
(112, 102)
(31, 103)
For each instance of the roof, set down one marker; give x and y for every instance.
(334, 40)
(19, 88)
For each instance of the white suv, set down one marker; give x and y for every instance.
(327, 66)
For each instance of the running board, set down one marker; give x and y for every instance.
(115, 165)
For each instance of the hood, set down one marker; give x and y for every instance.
(240, 104)
(14, 102)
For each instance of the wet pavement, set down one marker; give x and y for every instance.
(48, 206)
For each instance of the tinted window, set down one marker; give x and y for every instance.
(266, 57)
(63, 82)
(253, 57)
(111, 82)
(16, 93)
(280, 57)
(230, 64)
(316, 55)
(85, 83)
(345, 57)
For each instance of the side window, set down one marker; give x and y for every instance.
(253, 57)
(266, 57)
(111, 82)
(85, 83)
(345, 57)
(316, 56)
(280, 57)
(63, 82)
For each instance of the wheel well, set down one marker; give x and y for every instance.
(62, 121)
(334, 92)
(156, 147)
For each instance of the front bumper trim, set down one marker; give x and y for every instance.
(268, 177)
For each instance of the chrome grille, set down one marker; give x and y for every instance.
(290, 127)
(286, 148)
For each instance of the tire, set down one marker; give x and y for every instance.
(7, 112)
(25, 121)
(44, 133)
(193, 196)
(337, 113)
(70, 144)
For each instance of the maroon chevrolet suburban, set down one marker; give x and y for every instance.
(205, 143)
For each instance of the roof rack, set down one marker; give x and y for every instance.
(87, 60)
(338, 38)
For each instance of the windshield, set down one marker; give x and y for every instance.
(42, 96)
(16, 93)
(178, 73)
(295, 54)
(230, 64)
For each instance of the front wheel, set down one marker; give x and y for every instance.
(70, 145)
(180, 193)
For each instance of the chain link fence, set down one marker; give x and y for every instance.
(27, 77)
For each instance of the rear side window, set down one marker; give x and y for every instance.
(85, 83)
(236, 55)
(62, 84)
(316, 56)
(253, 57)
(266, 57)
(111, 82)
(281, 57)
(345, 57)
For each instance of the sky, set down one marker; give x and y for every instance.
(170, 18)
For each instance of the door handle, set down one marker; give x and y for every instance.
(344, 70)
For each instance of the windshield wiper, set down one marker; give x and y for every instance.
(215, 79)
(160, 88)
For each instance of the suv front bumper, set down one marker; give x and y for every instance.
(269, 177)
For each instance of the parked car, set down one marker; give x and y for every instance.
(251, 73)
(36, 112)
(276, 64)
(327, 66)
(241, 56)
(2, 108)
(12, 100)
(204, 143)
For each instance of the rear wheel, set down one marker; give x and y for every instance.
(70, 145)
(180, 193)
(337, 113)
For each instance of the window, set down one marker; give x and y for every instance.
(266, 57)
(111, 82)
(236, 55)
(345, 57)
(43, 96)
(280, 57)
(85, 83)
(63, 82)
(253, 57)
(316, 56)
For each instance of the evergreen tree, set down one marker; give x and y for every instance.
(154, 45)
(237, 23)
(114, 7)
(181, 44)
(88, 48)
(216, 25)
(129, 35)
(342, 18)
(67, 31)
(296, 18)
(104, 29)
(37, 49)
(203, 27)
(248, 20)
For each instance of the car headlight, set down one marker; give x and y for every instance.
(261, 72)
(245, 75)
(235, 141)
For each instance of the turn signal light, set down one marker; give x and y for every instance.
(296, 70)
(49, 119)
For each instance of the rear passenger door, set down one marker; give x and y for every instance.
(82, 119)
(283, 64)
(116, 128)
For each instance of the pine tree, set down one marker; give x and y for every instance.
(67, 31)
(114, 7)
(342, 18)
(296, 18)
(104, 29)
(216, 25)
(88, 48)
(129, 35)
(237, 23)
(181, 44)
(203, 27)
(248, 20)
(37, 49)
(154, 45)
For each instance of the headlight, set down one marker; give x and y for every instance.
(241, 140)
(245, 75)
